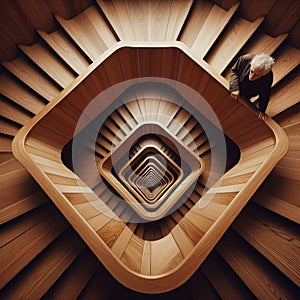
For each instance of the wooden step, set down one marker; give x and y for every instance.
(214, 24)
(127, 117)
(178, 121)
(225, 281)
(8, 127)
(74, 280)
(53, 261)
(31, 76)
(280, 11)
(40, 235)
(163, 260)
(136, 254)
(288, 166)
(89, 31)
(110, 136)
(287, 58)
(194, 22)
(261, 277)
(5, 156)
(22, 179)
(278, 198)
(277, 205)
(231, 42)
(184, 134)
(14, 112)
(64, 47)
(13, 90)
(40, 54)
(157, 21)
(19, 226)
(10, 166)
(184, 242)
(5, 143)
(274, 237)
(23, 205)
(115, 128)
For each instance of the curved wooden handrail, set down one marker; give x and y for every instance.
(270, 137)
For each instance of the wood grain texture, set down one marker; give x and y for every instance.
(259, 275)
(176, 265)
(60, 43)
(89, 31)
(29, 74)
(279, 243)
(19, 102)
(52, 66)
(56, 260)
(142, 21)
(232, 40)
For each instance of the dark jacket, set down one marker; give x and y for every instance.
(239, 80)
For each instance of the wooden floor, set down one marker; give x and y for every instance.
(258, 257)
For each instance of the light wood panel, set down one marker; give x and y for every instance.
(64, 47)
(89, 31)
(195, 21)
(213, 26)
(230, 42)
(32, 77)
(287, 58)
(146, 21)
(16, 92)
(12, 112)
(48, 62)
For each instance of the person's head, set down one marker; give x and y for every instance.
(260, 65)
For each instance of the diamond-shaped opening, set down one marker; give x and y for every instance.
(123, 172)
(131, 173)
(151, 180)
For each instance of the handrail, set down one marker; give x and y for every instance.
(178, 274)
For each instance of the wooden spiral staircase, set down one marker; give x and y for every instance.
(56, 55)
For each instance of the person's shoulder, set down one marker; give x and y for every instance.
(247, 57)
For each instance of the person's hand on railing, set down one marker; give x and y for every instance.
(261, 115)
(235, 95)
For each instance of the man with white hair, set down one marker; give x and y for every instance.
(252, 76)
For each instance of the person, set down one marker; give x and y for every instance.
(252, 76)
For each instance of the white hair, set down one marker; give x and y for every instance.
(262, 61)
